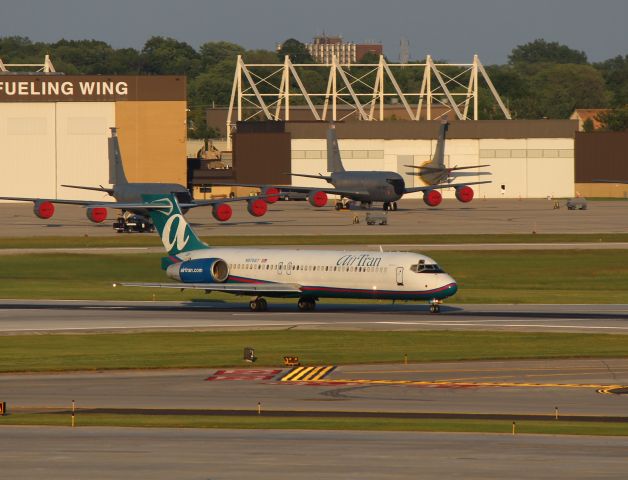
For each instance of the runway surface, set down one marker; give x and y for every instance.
(387, 247)
(30, 316)
(299, 218)
(112, 453)
(516, 387)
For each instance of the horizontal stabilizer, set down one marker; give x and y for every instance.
(438, 169)
(304, 175)
(96, 189)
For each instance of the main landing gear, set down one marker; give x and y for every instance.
(434, 306)
(258, 305)
(306, 304)
(389, 206)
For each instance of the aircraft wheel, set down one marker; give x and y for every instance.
(394, 206)
(306, 304)
(338, 206)
(434, 308)
(258, 305)
(386, 206)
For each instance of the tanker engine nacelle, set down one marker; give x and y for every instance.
(256, 207)
(96, 214)
(203, 270)
(464, 193)
(432, 198)
(273, 194)
(222, 212)
(317, 198)
(44, 209)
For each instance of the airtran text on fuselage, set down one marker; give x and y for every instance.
(362, 260)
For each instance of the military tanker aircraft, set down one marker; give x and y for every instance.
(434, 172)
(128, 198)
(366, 187)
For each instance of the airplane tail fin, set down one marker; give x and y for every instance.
(438, 160)
(116, 168)
(175, 232)
(334, 162)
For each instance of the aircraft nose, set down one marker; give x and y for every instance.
(451, 286)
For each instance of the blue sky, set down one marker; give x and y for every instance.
(452, 30)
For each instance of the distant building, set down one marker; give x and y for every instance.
(323, 48)
(583, 114)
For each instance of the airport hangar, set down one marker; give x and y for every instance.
(527, 158)
(54, 130)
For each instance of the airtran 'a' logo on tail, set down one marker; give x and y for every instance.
(180, 235)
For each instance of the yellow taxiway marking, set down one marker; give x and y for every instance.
(472, 384)
(307, 374)
(318, 374)
(510, 369)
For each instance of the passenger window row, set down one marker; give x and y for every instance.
(309, 268)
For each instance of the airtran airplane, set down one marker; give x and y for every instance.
(307, 275)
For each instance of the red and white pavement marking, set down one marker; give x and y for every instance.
(246, 374)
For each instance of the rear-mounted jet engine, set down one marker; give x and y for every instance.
(205, 270)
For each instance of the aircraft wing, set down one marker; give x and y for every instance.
(292, 188)
(204, 203)
(87, 203)
(244, 288)
(442, 185)
(144, 206)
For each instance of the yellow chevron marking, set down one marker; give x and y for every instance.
(323, 372)
(291, 374)
(307, 374)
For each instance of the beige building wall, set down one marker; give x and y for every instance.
(27, 150)
(153, 140)
(525, 167)
(82, 129)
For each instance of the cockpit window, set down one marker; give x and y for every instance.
(398, 185)
(423, 267)
(183, 197)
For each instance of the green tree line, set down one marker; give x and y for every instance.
(540, 80)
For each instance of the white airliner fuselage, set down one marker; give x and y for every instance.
(323, 273)
(304, 274)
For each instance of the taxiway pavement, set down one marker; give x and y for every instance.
(299, 218)
(30, 316)
(111, 453)
(516, 387)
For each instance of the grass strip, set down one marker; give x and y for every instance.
(369, 424)
(30, 353)
(255, 240)
(531, 276)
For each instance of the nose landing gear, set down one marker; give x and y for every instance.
(434, 306)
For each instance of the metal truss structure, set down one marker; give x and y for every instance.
(269, 91)
(46, 67)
